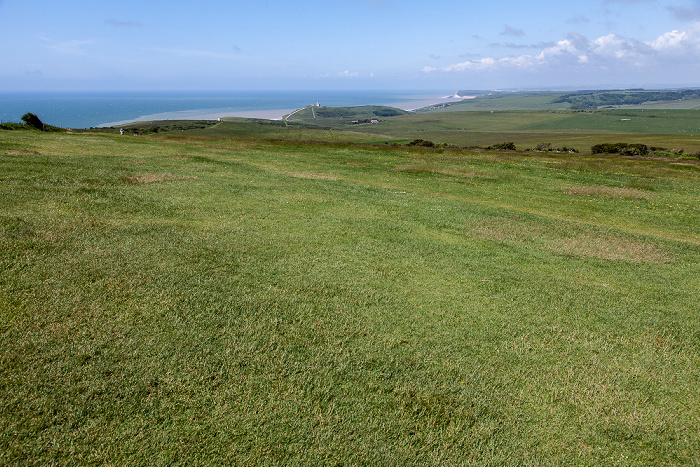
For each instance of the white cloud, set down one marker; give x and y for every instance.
(610, 51)
(677, 41)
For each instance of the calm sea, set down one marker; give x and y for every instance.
(86, 109)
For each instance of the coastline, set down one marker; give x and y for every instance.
(417, 102)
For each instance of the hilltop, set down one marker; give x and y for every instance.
(585, 99)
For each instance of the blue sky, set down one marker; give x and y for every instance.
(347, 44)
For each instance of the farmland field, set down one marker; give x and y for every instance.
(275, 294)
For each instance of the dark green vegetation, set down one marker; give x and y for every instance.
(31, 122)
(598, 99)
(334, 116)
(248, 294)
(551, 100)
(147, 128)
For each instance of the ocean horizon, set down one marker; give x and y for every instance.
(105, 109)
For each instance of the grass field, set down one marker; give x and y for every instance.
(212, 297)
(580, 129)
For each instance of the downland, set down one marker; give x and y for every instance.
(340, 292)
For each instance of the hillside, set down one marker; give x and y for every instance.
(557, 100)
(189, 297)
(322, 115)
(673, 130)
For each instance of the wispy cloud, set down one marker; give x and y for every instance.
(342, 74)
(511, 45)
(197, 53)
(511, 31)
(605, 52)
(578, 19)
(686, 14)
(72, 47)
(123, 24)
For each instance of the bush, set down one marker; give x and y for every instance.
(547, 147)
(509, 146)
(422, 142)
(624, 149)
(12, 126)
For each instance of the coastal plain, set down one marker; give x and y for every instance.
(297, 292)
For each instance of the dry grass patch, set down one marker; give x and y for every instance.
(312, 176)
(575, 241)
(141, 179)
(606, 192)
(613, 247)
(420, 168)
(21, 153)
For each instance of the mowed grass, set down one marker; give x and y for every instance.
(216, 301)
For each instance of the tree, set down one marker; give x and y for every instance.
(32, 120)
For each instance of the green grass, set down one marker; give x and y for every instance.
(204, 299)
(558, 100)
(671, 129)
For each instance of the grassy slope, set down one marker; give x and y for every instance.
(672, 129)
(531, 118)
(547, 100)
(208, 300)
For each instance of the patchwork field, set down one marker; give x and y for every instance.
(252, 295)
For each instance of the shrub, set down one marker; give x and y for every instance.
(509, 146)
(621, 148)
(422, 142)
(12, 126)
(547, 147)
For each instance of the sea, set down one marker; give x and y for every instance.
(105, 109)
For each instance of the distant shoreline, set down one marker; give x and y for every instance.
(277, 114)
